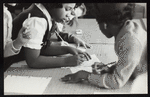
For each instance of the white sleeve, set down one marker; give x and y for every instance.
(37, 28)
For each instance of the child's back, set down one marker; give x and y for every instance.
(132, 34)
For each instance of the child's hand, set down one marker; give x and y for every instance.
(23, 37)
(76, 77)
(101, 68)
(75, 51)
(75, 60)
(79, 42)
(71, 22)
(97, 67)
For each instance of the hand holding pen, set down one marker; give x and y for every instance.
(99, 68)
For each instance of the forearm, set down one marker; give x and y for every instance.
(36, 60)
(54, 50)
(115, 79)
(43, 62)
(67, 37)
(98, 80)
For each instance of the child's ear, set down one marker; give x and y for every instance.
(105, 26)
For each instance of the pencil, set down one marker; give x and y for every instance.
(29, 15)
(59, 35)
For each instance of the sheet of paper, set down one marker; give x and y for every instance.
(25, 84)
(86, 65)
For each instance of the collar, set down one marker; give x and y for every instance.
(44, 10)
(4, 7)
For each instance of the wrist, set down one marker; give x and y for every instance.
(68, 49)
(86, 75)
(16, 44)
(89, 77)
(72, 38)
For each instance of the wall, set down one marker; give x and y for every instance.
(145, 5)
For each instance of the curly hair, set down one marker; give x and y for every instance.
(114, 13)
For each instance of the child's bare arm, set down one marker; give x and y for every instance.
(54, 50)
(72, 39)
(36, 59)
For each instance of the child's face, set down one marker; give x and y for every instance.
(78, 12)
(64, 14)
(107, 31)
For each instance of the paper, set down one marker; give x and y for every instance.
(86, 65)
(25, 84)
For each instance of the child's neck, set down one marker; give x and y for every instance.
(116, 31)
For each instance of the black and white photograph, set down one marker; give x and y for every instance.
(75, 48)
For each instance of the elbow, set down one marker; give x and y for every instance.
(117, 85)
(32, 64)
(113, 82)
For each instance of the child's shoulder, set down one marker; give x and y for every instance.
(132, 29)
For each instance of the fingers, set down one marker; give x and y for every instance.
(27, 36)
(70, 23)
(87, 56)
(82, 58)
(65, 78)
(97, 65)
(77, 45)
(88, 46)
(69, 78)
(22, 30)
(84, 45)
(65, 43)
(81, 43)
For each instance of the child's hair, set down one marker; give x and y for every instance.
(56, 5)
(114, 13)
(83, 8)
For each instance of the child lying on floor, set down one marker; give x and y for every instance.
(115, 19)
(38, 52)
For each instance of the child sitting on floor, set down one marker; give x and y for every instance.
(43, 18)
(10, 47)
(115, 19)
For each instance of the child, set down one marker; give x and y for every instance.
(43, 18)
(10, 47)
(80, 11)
(115, 19)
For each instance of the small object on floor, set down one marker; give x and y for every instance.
(79, 31)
